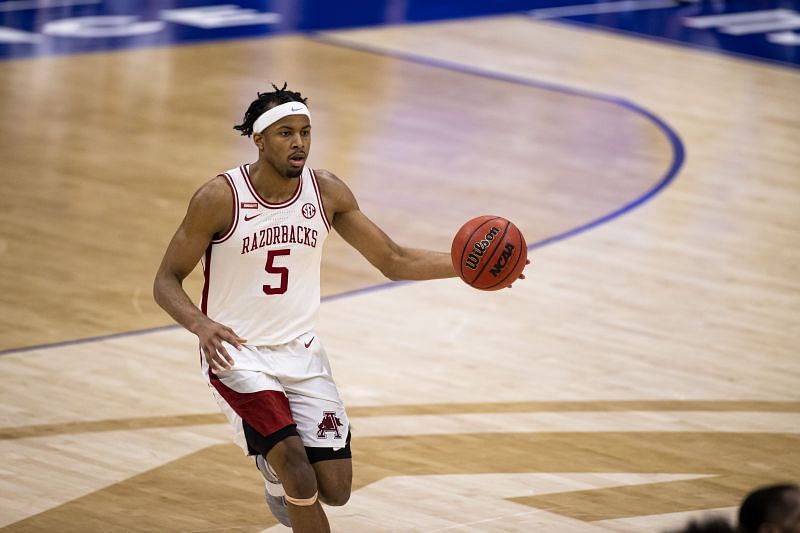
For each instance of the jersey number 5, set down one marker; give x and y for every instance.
(282, 271)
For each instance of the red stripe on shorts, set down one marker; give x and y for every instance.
(266, 411)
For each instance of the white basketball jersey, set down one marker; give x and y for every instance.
(262, 277)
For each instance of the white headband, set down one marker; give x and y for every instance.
(273, 115)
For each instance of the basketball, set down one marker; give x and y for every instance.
(489, 252)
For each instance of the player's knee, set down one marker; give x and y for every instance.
(335, 495)
(335, 498)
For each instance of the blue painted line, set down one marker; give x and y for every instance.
(466, 69)
(87, 340)
(678, 156)
(365, 290)
(145, 331)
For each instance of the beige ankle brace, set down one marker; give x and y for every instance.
(302, 502)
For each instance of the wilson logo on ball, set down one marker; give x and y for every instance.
(479, 248)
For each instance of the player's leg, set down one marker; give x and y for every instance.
(321, 419)
(289, 460)
(259, 412)
(333, 472)
(334, 480)
(334, 469)
(274, 492)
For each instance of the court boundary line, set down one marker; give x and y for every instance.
(678, 157)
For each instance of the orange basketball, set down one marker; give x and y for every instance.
(489, 252)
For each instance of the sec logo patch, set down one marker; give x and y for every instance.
(309, 210)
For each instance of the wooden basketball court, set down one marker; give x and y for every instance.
(644, 373)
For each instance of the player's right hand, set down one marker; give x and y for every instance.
(211, 335)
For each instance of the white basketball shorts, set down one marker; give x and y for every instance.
(272, 389)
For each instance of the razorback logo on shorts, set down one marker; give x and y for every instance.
(330, 422)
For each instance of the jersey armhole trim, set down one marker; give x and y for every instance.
(235, 212)
(319, 200)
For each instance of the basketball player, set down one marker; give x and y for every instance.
(259, 231)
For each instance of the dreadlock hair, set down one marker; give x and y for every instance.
(764, 505)
(264, 102)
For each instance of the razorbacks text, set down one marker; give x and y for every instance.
(279, 235)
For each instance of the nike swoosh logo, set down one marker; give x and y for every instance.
(307, 344)
(251, 217)
(298, 109)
